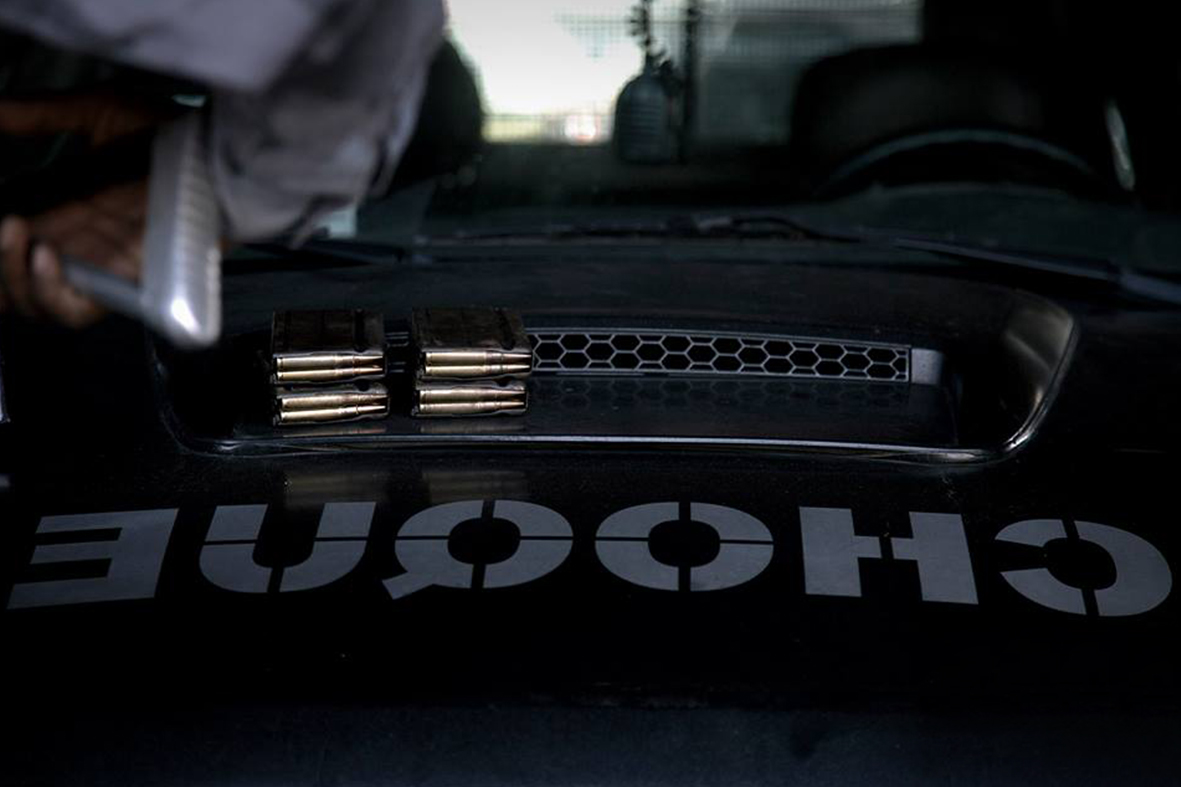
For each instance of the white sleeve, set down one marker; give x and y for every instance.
(313, 101)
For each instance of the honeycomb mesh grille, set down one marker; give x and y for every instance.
(675, 352)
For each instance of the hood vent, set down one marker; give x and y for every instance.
(617, 352)
(678, 352)
(937, 392)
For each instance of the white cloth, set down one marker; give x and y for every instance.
(312, 101)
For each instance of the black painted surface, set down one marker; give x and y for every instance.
(581, 677)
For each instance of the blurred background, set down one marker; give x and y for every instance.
(545, 107)
(559, 78)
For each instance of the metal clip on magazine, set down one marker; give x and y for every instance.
(180, 290)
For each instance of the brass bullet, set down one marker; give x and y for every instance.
(471, 361)
(476, 357)
(492, 397)
(332, 414)
(442, 394)
(327, 346)
(468, 371)
(354, 370)
(291, 401)
(471, 408)
(328, 361)
(470, 343)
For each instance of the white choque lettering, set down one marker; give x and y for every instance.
(119, 556)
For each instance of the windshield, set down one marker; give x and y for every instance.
(900, 113)
(1035, 126)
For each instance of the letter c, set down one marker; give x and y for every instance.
(1143, 579)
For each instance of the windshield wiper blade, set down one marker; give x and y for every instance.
(1124, 279)
(754, 225)
(1104, 271)
(688, 226)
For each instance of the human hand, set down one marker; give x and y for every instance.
(104, 229)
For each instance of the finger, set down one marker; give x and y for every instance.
(128, 201)
(56, 297)
(14, 264)
(117, 252)
(75, 224)
(102, 116)
(117, 255)
(103, 230)
(118, 210)
(31, 117)
(61, 221)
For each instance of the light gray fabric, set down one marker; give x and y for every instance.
(313, 101)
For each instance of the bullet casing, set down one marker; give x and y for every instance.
(470, 362)
(504, 397)
(482, 371)
(317, 347)
(332, 414)
(325, 376)
(321, 405)
(471, 343)
(291, 370)
(477, 357)
(439, 394)
(328, 361)
(293, 401)
(471, 408)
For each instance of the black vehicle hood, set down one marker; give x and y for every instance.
(985, 616)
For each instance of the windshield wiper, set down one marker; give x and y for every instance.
(1126, 280)
(1104, 271)
(784, 226)
(687, 226)
(742, 226)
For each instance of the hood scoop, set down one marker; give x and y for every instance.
(677, 382)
